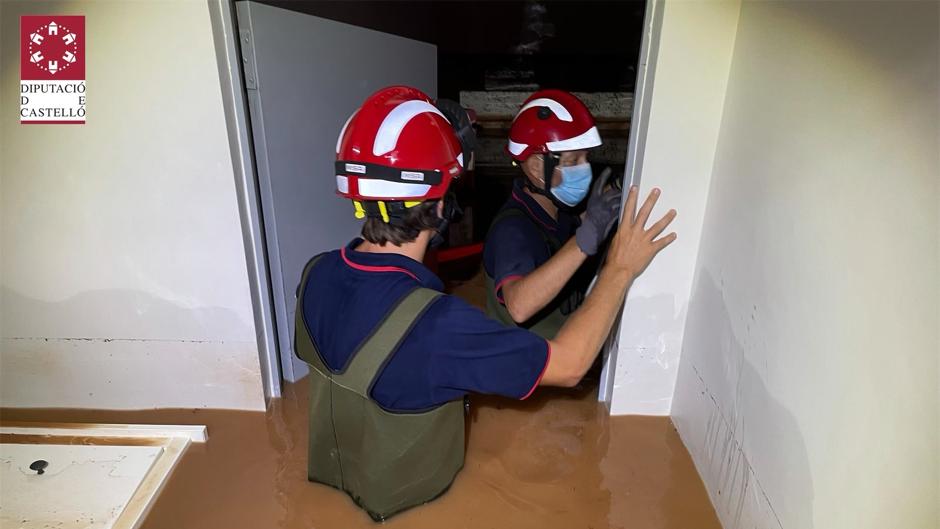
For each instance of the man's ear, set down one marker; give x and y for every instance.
(440, 208)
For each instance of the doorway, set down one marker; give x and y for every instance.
(307, 65)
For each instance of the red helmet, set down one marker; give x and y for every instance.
(551, 121)
(396, 147)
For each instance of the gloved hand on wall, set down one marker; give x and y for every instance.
(603, 208)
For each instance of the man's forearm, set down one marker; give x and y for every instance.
(580, 339)
(525, 296)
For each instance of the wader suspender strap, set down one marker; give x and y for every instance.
(368, 361)
(300, 352)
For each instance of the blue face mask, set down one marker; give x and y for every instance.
(575, 183)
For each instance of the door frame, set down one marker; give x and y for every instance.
(636, 146)
(235, 103)
(238, 123)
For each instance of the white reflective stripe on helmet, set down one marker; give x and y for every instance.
(342, 132)
(516, 148)
(342, 184)
(384, 189)
(394, 123)
(557, 108)
(590, 138)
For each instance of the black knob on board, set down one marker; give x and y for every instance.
(39, 466)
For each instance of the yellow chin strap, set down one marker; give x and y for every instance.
(383, 209)
(360, 212)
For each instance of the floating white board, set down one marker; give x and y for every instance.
(97, 476)
(83, 486)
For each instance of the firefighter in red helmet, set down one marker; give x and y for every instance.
(391, 358)
(537, 247)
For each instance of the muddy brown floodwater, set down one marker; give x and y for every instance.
(555, 461)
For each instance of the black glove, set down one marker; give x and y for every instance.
(603, 208)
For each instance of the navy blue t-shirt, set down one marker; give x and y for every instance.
(514, 246)
(452, 350)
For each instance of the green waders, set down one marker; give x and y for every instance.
(386, 461)
(549, 320)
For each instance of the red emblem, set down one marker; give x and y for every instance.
(52, 48)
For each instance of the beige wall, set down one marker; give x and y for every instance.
(124, 281)
(807, 391)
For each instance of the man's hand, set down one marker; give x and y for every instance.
(576, 345)
(600, 215)
(634, 246)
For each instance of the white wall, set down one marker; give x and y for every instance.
(691, 72)
(807, 392)
(124, 280)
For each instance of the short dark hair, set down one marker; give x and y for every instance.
(418, 218)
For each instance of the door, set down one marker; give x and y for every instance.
(304, 77)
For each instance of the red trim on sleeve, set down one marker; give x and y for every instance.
(366, 268)
(499, 285)
(548, 356)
